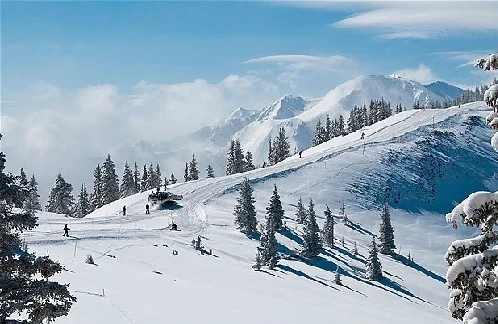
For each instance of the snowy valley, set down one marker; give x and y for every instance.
(420, 162)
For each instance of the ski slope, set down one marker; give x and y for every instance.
(138, 279)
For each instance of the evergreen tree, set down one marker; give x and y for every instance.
(337, 277)
(245, 211)
(374, 268)
(61, 199)
(166, 183)
(23, 179)
(355, 249)
(83, 205)
(301, 212)
(320, 135)
(136, 179)
(209, 171)
(311, 236)
(342, 212)
(24, 278)
(231, 158)
(342, 130)
(328, 228)
(172, 179)
(193, 170)
(271, 153)
(96, 196)
(32, 203)
(249, 165)
(151, 181)
(281, 146)
(186, 175)
(328, 129)
(127, 183)
(159, 177)
(268, 249)
(386, 232)
(274, 211)
(144, 184)
(110, 182)
(239, 165)
(258, 262)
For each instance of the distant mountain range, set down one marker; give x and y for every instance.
(296, 114)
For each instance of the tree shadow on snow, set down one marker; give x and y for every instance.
(357, 227)
(291, 235)
(286, 268)
(418, 267)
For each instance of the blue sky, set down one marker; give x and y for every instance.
(79, 79)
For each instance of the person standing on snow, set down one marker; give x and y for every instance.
(124, 210)
(66, 230)
(147, 209)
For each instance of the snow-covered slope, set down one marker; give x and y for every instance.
(137, 278)
(445, 90)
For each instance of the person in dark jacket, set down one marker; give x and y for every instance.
(147, 209)
(66, 230)
(124, 210)
(300, 153)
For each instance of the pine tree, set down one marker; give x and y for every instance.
(342, 130)
(136, 179)
(193, 170)
(328, 129)
(245, 211)
(151, 180)
(311, 237)
(274, 211)
(301, 212)
(24, 278)
(342, 212)
(386, 232)
(110, 182)
(320, 136)
(23, 179)
(83, 205)
(186, 175)
(61, 200)
(144, 184)
(96, 196)
(172, 179)
(209, 171)
(249, 165)
(271, 152)
(166, 183)
(374, 268)
(328, 228)
(258, 262)
(355, 249)
(281, 147)
(127, 183)
(239, 165)
(32, 203)
(337, 277)
(231, 159)
(268, 249)
(159, 177)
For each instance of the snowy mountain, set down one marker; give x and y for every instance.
(445, 90)
(296, 114)
(420, 161)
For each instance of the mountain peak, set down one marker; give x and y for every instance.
(287, 106)
(445, 90)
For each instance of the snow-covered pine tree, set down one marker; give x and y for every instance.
(127, 182)
(209, 171)
(159, 178)
(374, 268)
(96, 196)
(151, 181)
(245, 211)
(61, 199)
(472, 274)
(268, 249)
(82, 207)
(136, 179)
(258, 263)
(231, 158)
(271, 152)
(26, 289)
(319, 137)
(328, 228)
(110, 181)
(145, 180)
(193, 170)
(328, 128)
(275, 211)
(249, 165)
(337, 277)
(23, 180)
(386, 231)
(32, 203)
(341, 126)
(186, 174)
(239, 165)
(301, 212)
(281, 146)
(172, 179)
(311, 237)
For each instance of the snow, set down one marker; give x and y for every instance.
(468, 207)
(138, 279)
(482, 312)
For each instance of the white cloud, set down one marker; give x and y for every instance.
(468, 57)
(422, 74)
(425, 19)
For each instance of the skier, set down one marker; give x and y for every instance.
(147, 209)
(174, 227)
(124, 210)
(66, 230)
(362, 135)
(300, 152)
